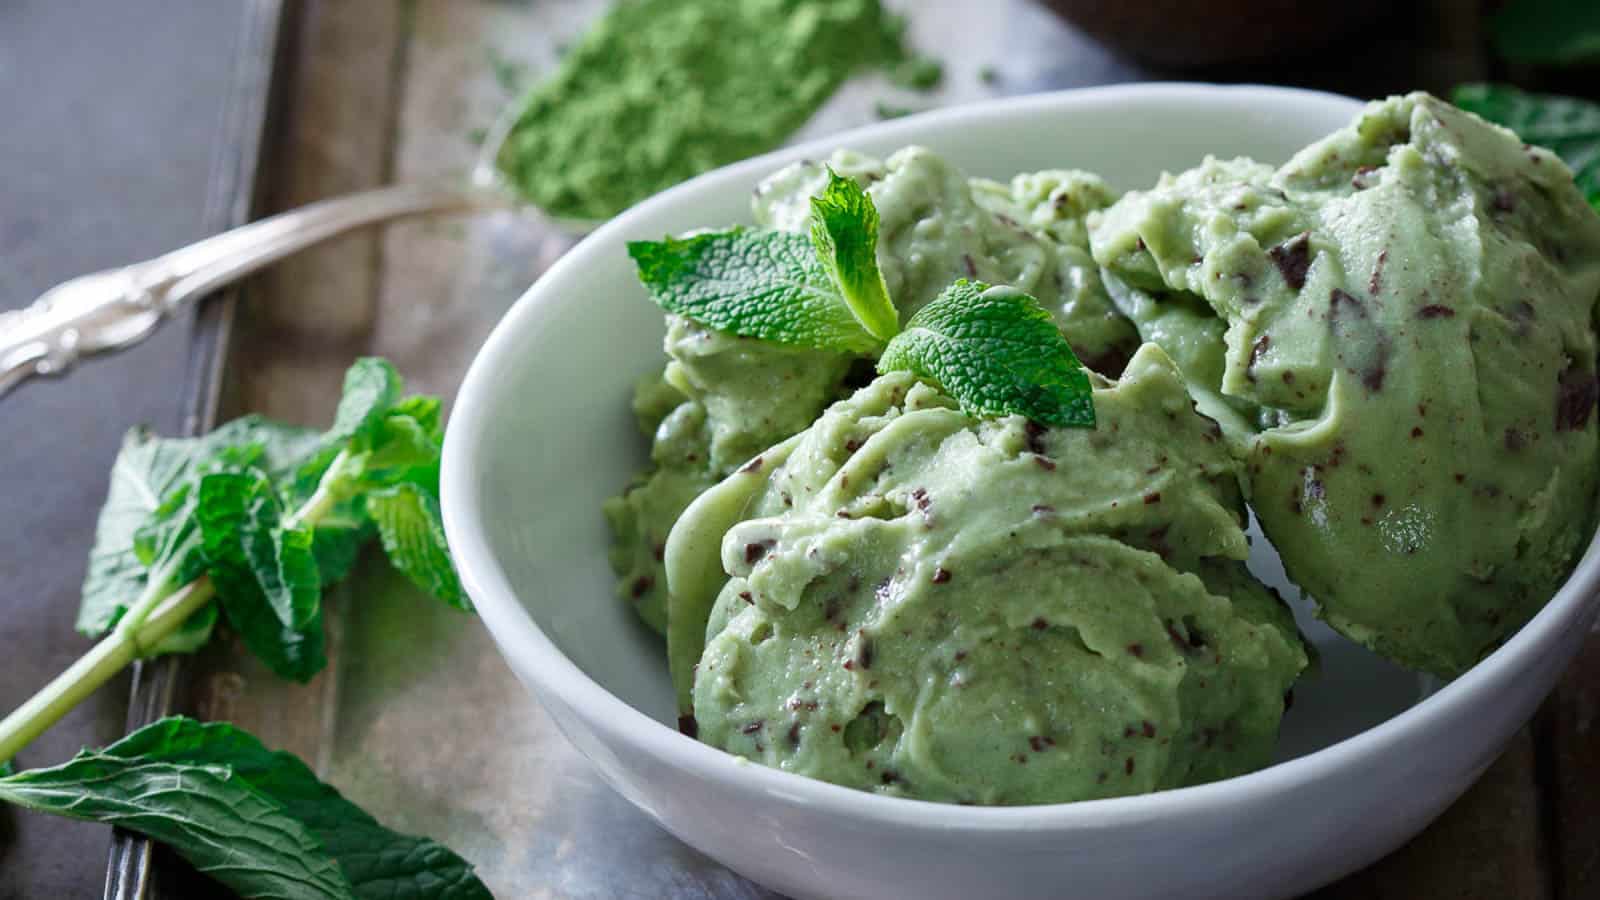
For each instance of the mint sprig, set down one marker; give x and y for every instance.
(844, 230)
(251, 521)
(997, 352)
(247, 525)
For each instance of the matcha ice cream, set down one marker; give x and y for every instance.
(1387, 346)
(722, 399)
(1409, 344)
(985, 611)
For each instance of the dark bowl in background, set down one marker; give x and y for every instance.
(1190, 33)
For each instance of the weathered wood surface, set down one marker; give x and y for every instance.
(415, 719)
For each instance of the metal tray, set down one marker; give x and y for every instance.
(417, 718)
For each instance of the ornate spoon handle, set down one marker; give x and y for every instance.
(116, 308)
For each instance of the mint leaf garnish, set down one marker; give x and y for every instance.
(844, 230)
(997, 352)
(1569, 127)
(768, 285)
(255, 819)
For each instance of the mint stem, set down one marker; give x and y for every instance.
(161, 614)
(159, 611)
(327, 495)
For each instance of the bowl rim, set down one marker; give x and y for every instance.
(518, 636)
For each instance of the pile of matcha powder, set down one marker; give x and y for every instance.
(661, 90)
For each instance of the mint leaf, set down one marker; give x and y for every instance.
(146, 471)
(266, 576)
(997, 352)
(143, 523)
(380, 864)
(210, 817)
(404, 450)
(1566, 125)
(412, 531)
(337, 540)
(1547, 32)
(768, 285)
(371, 388)
(256, 820)
(844, 230)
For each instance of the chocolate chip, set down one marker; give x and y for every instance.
(1576, 392)
(864, 651)
(1256, 351)
(1293, 259)
(1035, 433)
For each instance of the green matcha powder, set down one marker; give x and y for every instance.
(662, 90)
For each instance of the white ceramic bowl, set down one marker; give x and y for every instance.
(541, 434)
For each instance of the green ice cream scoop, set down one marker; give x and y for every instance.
(928, 605)
(1409, 310)
(722, 398)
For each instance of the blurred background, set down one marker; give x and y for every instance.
(132, 128)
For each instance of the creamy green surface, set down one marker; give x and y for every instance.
(659, 91)
(1408, 308)
(928, 605)
(740, 396)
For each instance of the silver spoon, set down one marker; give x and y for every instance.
(116, 308)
